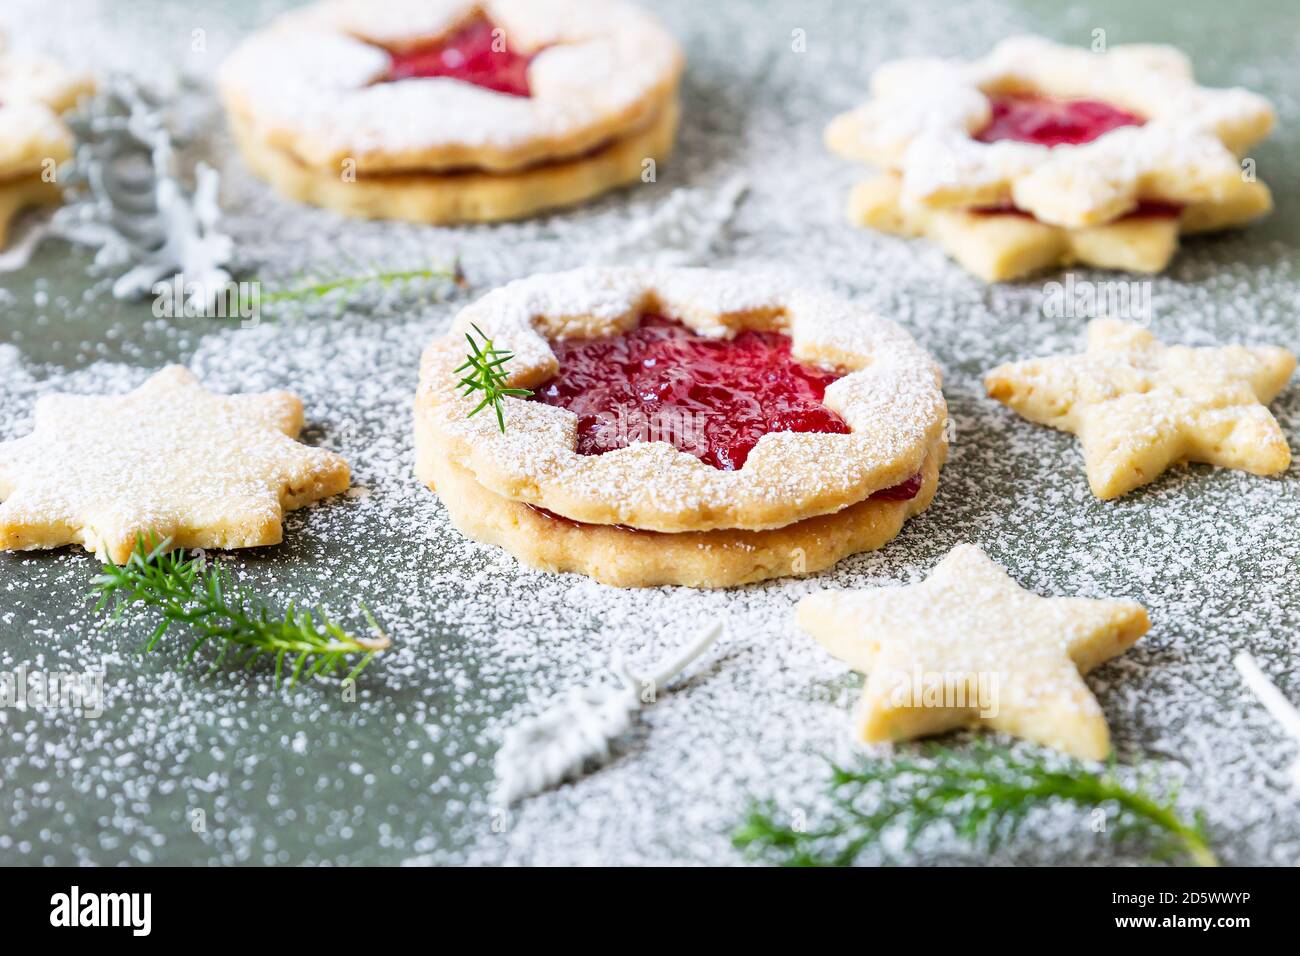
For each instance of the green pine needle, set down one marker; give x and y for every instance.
(193, 593)
(983, 796)
(485, 368)
(349, 284)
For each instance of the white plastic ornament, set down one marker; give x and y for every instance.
(132, 207)
(1277, 705)
(576, 731)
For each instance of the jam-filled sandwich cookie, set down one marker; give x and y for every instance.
(33, 140)
(446, 111)
(685, 426)
(1041, 155)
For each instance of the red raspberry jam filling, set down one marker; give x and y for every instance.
(1152, 208)
(905, 491)
(1052, 122)
(1156, 209)
(713, 398)
(476, 53)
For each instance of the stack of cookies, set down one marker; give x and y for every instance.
(454, 111)
(685, 426)
(1041, 155)
(33, 140)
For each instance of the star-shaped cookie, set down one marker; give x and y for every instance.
(969, 646)
(170, 458)
(1139, 406)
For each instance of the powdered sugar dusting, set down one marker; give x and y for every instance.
(32, 91)
(310, 80)
(35, 79)
(404, 772)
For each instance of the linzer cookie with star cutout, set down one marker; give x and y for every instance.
(446, 111)
(1041, 155)
(168, 460)
(679, 426)
(1139, 406)
(33, 139)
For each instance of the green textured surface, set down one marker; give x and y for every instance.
(403, 772)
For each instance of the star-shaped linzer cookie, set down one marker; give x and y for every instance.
(968, 646)
(1139, 406)
(170, 459)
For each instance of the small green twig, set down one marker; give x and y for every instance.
(349, 284)
(485, 372)
(983, 796)
(199, 595)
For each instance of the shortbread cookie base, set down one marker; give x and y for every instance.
(446, 199)
(216, 530)
(1001, 247)
(627, 558)
(22, 193)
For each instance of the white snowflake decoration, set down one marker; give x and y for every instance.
(134, 209)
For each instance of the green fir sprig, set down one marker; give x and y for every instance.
(199, 595)
(485, 372)
(983, 795)
(345, 286)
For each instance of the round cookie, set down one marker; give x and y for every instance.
(679, 426)
(625, 557)
(886, 391)
(446, 111)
